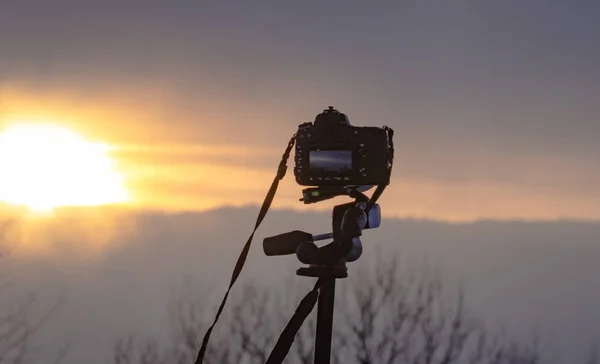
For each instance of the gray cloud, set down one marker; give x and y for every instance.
(513, 74)
(524, 275)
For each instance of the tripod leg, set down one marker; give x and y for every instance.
(325, 322)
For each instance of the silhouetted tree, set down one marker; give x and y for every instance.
(18, 324)
(593, 357)
(382, 316)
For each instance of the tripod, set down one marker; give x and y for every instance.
(328, 263)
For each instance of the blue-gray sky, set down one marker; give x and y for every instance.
(487, 97)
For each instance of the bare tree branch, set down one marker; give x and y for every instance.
(593, 357)
(381, 317)
(18, 325)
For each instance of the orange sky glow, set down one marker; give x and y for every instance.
(164, 173)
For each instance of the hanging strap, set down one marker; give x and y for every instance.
(244, 254)
(286, 339)
(380, 188)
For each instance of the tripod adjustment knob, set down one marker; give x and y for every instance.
(354, 220)
(355, 251)
(308, 253)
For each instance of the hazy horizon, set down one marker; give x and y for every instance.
(548, 288)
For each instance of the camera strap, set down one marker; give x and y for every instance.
(244, 254)
(380, 188)
(286, 339)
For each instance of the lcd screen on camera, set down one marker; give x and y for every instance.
(330, 162)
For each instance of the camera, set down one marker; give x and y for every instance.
(331, 152)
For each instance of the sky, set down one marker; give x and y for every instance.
(493, 103)
(495, 111)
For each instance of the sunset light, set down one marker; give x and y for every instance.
(44, 167)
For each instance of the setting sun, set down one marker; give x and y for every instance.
(44, 167)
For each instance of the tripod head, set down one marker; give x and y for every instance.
(318, 194)
(327, 263)
(348, 222)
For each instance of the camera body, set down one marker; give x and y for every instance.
(331, 152)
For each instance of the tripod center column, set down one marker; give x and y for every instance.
(325, 321)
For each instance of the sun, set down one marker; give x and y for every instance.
(45, 167)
